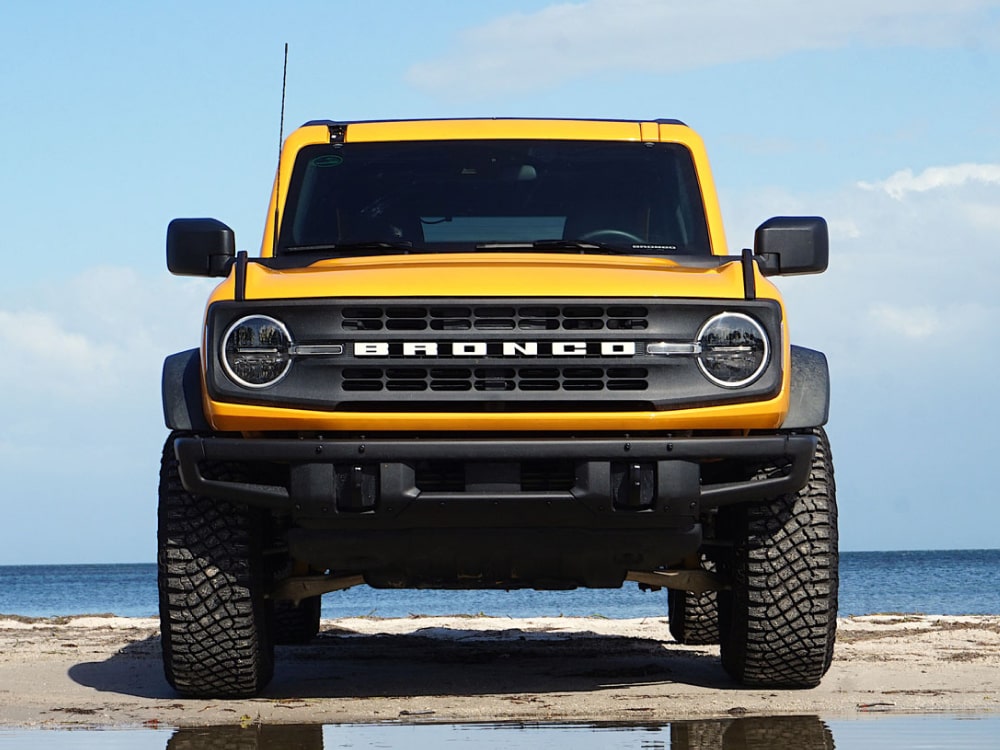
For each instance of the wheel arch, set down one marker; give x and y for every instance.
(810, 390)
(181, 392)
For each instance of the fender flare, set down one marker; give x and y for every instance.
(810, 390)
(181, 392)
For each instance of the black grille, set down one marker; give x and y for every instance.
(516, 355)
(458, 379)
(496, 318)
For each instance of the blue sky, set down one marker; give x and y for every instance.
(117, 117)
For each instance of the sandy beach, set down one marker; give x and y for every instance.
(106, 671)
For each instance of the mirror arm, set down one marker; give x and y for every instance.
(749, 280)
(240, 293)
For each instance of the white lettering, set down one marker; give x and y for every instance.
(411, 349)
(469, 349)
(371, 349)
(618, 348)
(499, 348)
(568, 348)
(527, 349)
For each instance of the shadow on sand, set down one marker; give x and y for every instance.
(340, 663)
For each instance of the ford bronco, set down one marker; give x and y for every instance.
(496, 354)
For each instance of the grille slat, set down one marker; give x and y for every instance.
(528, 379)
(496, 318)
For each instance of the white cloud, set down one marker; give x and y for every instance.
(944, 321)
(99, 338)
(910, 273)
(911, 322)
(843, 229)
(983, 215)
(530, 51)
(934, 178)
(38, 339)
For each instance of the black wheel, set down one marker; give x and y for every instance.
(214, 620)
(296, 623)
(694, 618)
(779, 621)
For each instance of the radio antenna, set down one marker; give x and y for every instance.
(281, 138)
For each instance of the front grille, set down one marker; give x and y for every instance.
(491, 355)
(464, 379)
(496, 318)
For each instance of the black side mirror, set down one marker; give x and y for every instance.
(200, 247)
(787, 245)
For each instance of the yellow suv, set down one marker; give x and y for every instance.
(496, 354)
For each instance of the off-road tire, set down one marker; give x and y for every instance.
(296, 623)
(779, 621)
(214, 620)
(694, 618)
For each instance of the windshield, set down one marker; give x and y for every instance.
(477, 195)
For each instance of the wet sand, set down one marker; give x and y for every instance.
(106, 671)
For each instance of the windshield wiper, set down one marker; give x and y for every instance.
(330, 247)
(580, 246)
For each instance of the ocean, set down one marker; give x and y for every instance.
(953, 582)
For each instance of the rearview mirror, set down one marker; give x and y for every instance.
(787, 245)
(200, 247)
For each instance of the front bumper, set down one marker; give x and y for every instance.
(613, 482)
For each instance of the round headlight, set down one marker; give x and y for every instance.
(255, 351)
(734, 350)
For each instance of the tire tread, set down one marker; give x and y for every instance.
(214, 622)
(781, 616)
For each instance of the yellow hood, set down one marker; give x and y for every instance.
(495, 275)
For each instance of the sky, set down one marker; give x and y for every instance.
(116, 117)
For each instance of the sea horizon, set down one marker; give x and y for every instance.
(842, 552)
(941, 582)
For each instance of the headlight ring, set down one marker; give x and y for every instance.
(256, 351)
(735, 350)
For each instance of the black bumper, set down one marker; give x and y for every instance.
(615, 482)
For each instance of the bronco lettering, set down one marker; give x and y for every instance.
(495, 349)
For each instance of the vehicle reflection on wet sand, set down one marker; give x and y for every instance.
(737, 733)
(895, 732)
(800, 732)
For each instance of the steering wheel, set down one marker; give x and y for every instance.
(610, 236)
